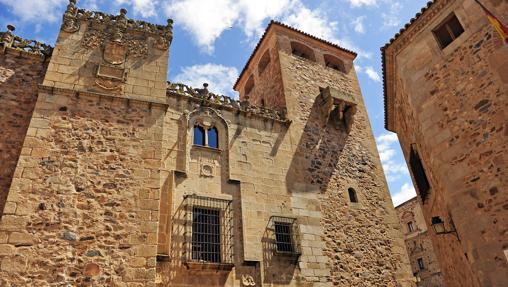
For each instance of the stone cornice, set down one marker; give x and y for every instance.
(206, 98)
(70, 92)
(9, 40)
(396, 44)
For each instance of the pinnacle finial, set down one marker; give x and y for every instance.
(170, 22)
(11, 27)
(72, 2)
(123, 11)
(205, 85)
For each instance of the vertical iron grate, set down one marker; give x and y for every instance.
(208, 230)
(285, 235)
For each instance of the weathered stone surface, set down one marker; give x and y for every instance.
(103, 188)
(450, 104)
(419, 245)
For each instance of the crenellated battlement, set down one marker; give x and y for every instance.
(9, 40)
(220, 101)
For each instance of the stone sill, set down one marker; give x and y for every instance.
(207, 148)
(209, 266)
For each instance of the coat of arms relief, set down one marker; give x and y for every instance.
(118, 38)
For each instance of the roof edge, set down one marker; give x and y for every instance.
(280, 24)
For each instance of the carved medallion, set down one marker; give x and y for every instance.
(248, 280)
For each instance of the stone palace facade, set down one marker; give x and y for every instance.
(112, 176)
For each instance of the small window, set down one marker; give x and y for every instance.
(285, 232)
(448, 31)
(422, 183)
(420, 263)
(263, 63)
(334, 63)
(213, 137)
(199, 135)
(410, 226)
(249, 85)
(283, 237)
(206, 245)
(352, 195)
(263, 103)
(302, 51)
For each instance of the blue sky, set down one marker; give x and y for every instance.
(214, 38)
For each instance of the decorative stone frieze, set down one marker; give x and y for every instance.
(8, 39)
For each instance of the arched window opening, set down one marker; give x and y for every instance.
(263, 102)
(199, 135)
(213, 137)
(352, 195)
(249, 85)
(334, 63)
(300, 50)
(263, 63)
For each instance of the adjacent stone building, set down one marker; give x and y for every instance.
(114, 177)
(446, 97)
(423, 260)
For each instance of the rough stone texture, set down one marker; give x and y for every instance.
(101, 197)
(419, 245)
(20, 73)
(452, 103)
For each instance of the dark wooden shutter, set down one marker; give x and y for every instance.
(422, 183)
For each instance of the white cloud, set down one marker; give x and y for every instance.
(406, 192)
(373, 75)
(219, 77)
(392, 17)
(145, 8)
(36, 10)
(358, 3)
(205, 20)
(392, 167)
(358, 24)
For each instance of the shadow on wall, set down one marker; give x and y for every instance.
(318, 151)
(277, 268)
(16, 108)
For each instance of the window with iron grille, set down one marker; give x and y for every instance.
(419, 173)
(285, 235)
(208, 230)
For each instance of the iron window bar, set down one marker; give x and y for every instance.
(285, 236)
(208, 235)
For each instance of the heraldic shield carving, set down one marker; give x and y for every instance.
(114, 53)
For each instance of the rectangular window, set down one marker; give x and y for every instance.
(208, 230)
(206, 242)
(410, 226)
(448, 31)
(420, 264)
(285, 235)
(422, 183)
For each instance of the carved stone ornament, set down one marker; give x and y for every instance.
(114, 53)
(248, 280)
(206, 170)
(70, 22)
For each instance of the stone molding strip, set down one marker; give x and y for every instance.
(70, 92)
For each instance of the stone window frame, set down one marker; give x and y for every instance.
(352, 195)
(294, 235)
(206, 130)
(264, 61)
(303, 51)
(419, 173)
(226, 231)
(410, 227)
(334, 63)
(446, 24)
(421, 264)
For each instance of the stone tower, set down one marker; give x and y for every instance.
(446, 87)
(124, 179)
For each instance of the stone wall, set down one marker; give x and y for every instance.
(419, 244)
(20, 73)
(452, 103)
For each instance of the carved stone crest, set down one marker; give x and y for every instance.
(70, 23)
(248, 280)
(114, 53)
